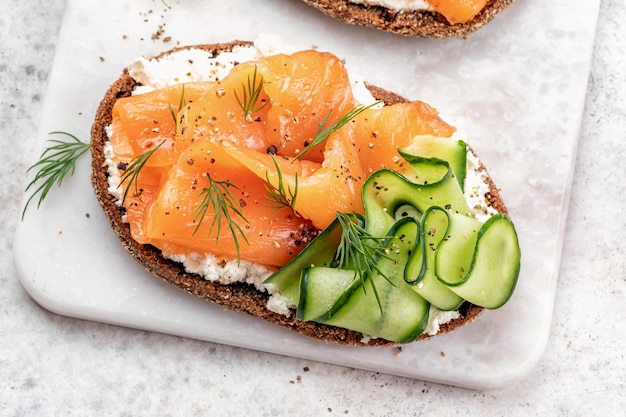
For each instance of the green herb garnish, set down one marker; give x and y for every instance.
(55, 163)
(251, 93)
(224, 207)
(359, 250)
(323, 134)
(131, 173)
(280, 195)
(181, 103)
(165, 4)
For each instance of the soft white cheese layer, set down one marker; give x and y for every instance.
(476, 188)
(190, 65)
(223, 271)
(438, 317)
(397, 4)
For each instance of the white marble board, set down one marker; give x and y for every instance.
(515, 90)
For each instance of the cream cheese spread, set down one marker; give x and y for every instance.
(476, 189)
(438, 317)
(188, 65)
(223, 271)
(397, 4)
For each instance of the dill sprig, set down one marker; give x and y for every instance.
(131, 173)
(54, 164)
(251, 93)
(224, 207)
(359, 250)
(323, 134)
(181, 103)
(165, 4)
(280, 195)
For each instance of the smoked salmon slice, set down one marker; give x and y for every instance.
(458, 11)
(268, 236)
(306, 88)
(334, 186)
(378, 133)
(142, 122)
(217, 114)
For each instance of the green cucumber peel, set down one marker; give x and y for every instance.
(420, 270)
(385, 191)
(323, 290)
(487, 275)
(454, 151)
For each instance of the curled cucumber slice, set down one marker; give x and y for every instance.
(483, 269)
(420, 271)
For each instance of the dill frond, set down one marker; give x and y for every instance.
(55, 163)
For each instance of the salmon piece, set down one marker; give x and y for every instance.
(272, 237)
(378, 133)
(458, 11)
(217, 113)
(148, 184)
(143, 121)
(140, 123)
(334, 185)
(303, 88)
(262, 163)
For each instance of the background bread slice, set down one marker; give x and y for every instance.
(238, 296)
(407, 22)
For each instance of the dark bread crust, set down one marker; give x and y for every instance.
(238, 296)
(424, 24)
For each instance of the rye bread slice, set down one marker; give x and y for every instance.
(420, 23)
(238, 296)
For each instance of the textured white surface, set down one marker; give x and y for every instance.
(52, 364)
